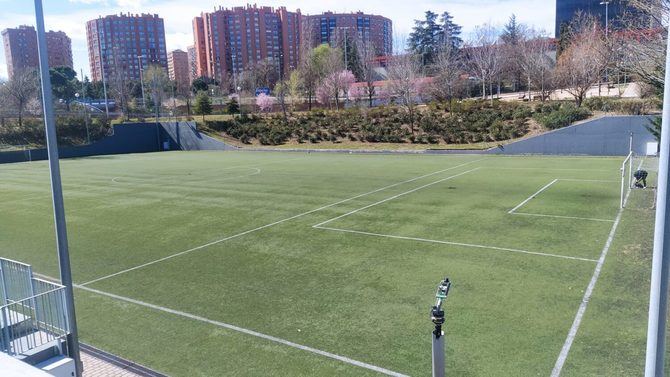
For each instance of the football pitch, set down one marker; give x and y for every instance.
(295, 264)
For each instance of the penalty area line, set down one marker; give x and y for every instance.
(242, 330)
(532, 196)
(572, 334)
(274, 223)
(495, 248)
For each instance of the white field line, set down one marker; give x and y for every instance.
(552, 169)
(563, 217)
(242, 330)
(455, 244)
(393, 197)
(272, 224)
(563, 355)
(588, 180)
(532, 196)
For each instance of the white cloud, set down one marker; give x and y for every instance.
(179, 14)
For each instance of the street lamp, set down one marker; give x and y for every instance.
(139, 61)
(606, 3)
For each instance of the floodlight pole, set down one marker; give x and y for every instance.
(658, 296)
(57, 190)
(437, 317)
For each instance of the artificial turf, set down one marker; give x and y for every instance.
(230, 237)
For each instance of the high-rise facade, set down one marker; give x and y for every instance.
(178, 70)
(192, 67)
(21, 49)
(332, 27)
(566, 10)
(229, 40)
(122, 45)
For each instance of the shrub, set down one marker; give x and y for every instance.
(564, 116)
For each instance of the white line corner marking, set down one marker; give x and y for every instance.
(242, 330)
(275, 223)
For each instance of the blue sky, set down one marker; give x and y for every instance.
(70, 16)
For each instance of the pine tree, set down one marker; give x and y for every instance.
(450, 33)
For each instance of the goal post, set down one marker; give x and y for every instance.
(626, 178)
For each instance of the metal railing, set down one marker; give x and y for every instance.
(32, 311)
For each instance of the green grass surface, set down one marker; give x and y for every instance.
(361, 284)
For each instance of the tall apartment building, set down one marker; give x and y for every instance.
(21, 49)
(566, 10)
(123, 45)
(178, 69)
(332, 27)
(192, 68)
(229, 40)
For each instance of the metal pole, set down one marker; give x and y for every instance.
(56, 189)
(437, 317)
(104, 83)
(658, 296)
(139, 61)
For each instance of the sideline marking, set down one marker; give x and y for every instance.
(457, 244)
(242, 330)
(393, 197)
(563, 217)
(273, 224)
(563, 355)
(532, 196)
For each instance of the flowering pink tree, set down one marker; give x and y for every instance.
(265, 102)
(335, 85)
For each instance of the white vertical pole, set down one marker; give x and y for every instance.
(56, 188)
(623, 183)
(104, 83)
(658, 296)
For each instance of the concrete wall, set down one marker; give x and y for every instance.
(131, 138)
(606, 136)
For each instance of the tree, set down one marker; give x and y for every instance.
(203, 105)
(201, 84)
(233, 107)
(535, 64)
(367, 55)
(20, 91)
(512, 36)
(64, 84)
(157, 80)
(646, 48)
(424, 39)
(294, 87)
(447, 69)
(451, 32)
(335, 85)
(428, 36)
(485, 57)
(265, 102)
(313, 69)
(405, 82)
(582, 64)
(654, 127)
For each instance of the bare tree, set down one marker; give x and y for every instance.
(485, 56)
(535, 63)
(404, 75)
(157, 81)
(646, 46)
(583, 63)
(20, 91)
(448, 68)
(368, 64)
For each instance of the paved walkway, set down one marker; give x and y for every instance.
(98, 363)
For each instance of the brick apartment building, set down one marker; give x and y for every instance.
(229, 40)
(332, 27)
(192, 68)
(21, 49)
(178, 70)
(122, 45)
